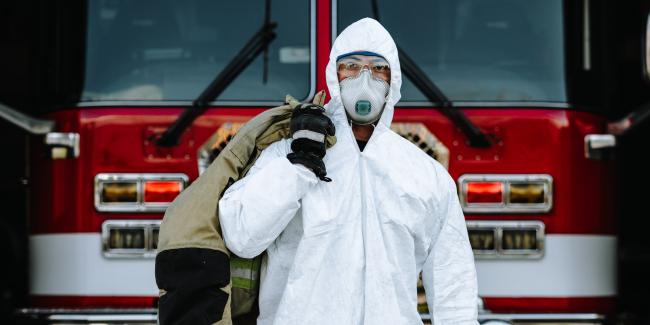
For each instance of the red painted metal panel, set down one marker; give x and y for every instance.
(93, 302)
(535, 141)
(323, 30)
(113, 140)
(604, 305)
(547, 141)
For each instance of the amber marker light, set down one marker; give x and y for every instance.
(135, 192)
(526, 193)
(126, 238)
(519, 239)
(506, 193)
(130, 238)
(506, 239)
(482, 239)
(119, 192)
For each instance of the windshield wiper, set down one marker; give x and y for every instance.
(419, 78)
(256, 45)
(476, 137)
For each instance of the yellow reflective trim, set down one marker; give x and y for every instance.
(244, 283)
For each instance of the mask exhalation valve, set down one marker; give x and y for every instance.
(363, 107)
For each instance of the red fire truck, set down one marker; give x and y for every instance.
(523, 101)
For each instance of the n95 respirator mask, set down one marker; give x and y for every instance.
(364, 97)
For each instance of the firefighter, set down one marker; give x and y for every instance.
(348, 229)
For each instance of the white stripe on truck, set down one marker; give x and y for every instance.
(73, 264)
(572, 266)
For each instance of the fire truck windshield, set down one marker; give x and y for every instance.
(151, 50)
(476, 50)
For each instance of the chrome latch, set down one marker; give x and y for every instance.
(62, 145)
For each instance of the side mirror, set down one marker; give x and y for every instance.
(59, 145)
(599, 146)
(630, 122)
(25, 122)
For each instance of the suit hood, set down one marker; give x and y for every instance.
(364, 35)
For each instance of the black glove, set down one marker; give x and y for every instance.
(309, 128)
(310, 161)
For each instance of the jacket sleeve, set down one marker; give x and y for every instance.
(257, 208)
(449, 274)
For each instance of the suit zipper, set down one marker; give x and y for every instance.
(363, 215)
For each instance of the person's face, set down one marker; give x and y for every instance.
(351, 66)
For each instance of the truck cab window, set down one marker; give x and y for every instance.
(477, 50)
(170, 50)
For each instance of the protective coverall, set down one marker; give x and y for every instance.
(350, 251)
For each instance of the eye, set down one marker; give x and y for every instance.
(349, 66)
(352, 66)
(381, 68)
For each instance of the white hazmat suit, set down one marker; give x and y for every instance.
(350, 251)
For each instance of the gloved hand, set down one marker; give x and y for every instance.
(309, 126)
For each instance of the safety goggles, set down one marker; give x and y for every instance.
(352, 66)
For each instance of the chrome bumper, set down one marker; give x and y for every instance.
(548, 319)
(534, 319)
(149, 317)
(87, 316)
(542, 318)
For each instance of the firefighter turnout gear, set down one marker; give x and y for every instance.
(198, 284)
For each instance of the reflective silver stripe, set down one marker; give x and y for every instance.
(311, 135)
(243, 273)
